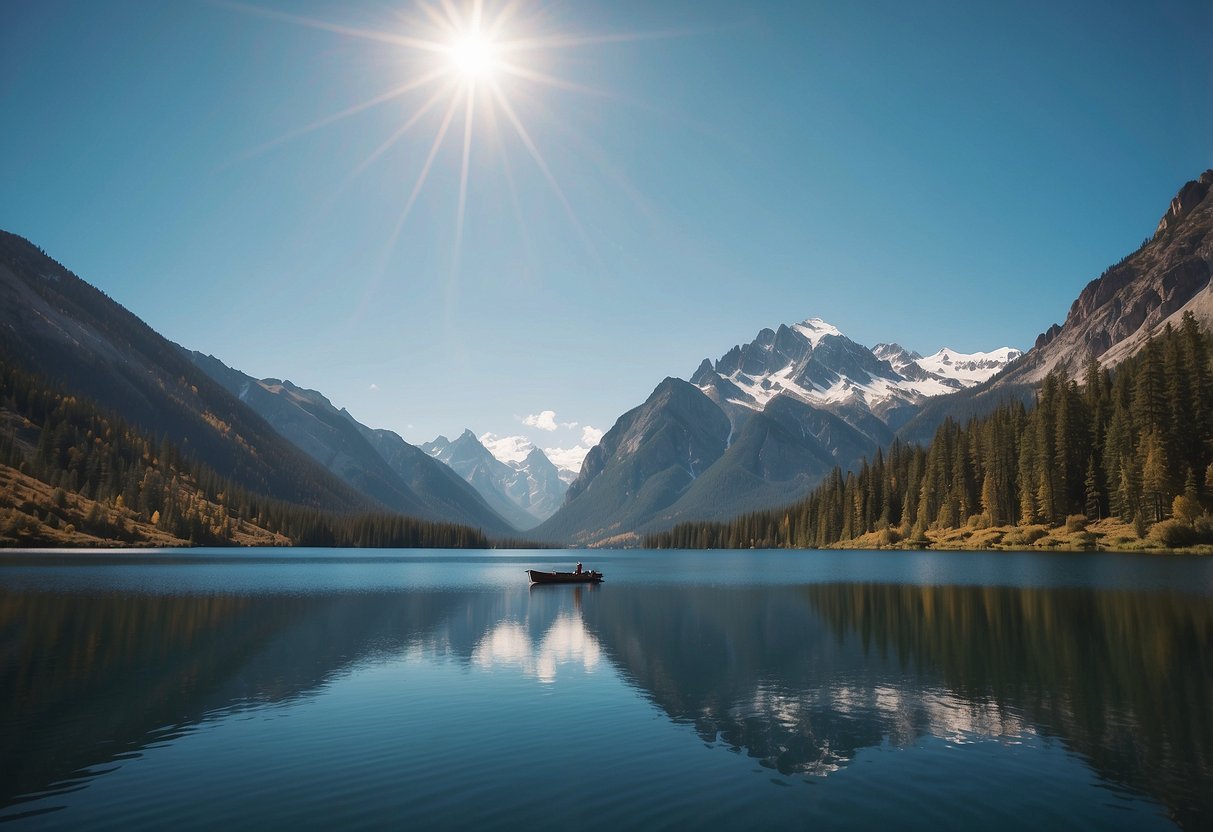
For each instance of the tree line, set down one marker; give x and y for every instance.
(1136, 444)
(71, 444)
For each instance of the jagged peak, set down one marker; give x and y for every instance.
(815, 329)
(704, 373)
(1185, 201)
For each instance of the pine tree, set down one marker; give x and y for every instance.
(1155, 477)
(1094, 500)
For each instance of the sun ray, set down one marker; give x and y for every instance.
(499, 21)
(396, 92)
(603, 163)
(404, 128)
(337, 28)
(453, 14)
(550, 80)
(575, 41)
(508, 169)
(390, 247)
(463, 173)
(425, 171)
(444, 24)
(527, 142)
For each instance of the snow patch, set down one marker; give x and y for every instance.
(943, 372)
(815, 329)
(968, 368)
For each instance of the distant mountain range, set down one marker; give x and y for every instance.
(756, 428)
(377, 463)
(524, 491)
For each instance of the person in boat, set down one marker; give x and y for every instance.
(578, 571)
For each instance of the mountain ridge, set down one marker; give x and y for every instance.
(54, 322)
(400, 479)
(797, 401)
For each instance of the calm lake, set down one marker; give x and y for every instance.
(339, 689)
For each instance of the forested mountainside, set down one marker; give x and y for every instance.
(55, 325)
(77, 474)
(1134, 443)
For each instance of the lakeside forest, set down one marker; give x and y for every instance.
(1122, 459)
(1127, 451)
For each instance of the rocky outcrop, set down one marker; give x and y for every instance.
(1189, 196)
(1115, 313)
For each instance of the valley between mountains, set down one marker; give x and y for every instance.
(757, 428)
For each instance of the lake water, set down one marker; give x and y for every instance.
(322, 689)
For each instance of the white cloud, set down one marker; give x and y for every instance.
(507, 448)
(546, 420)
(374, 388)
(568, 460)
(590, 436)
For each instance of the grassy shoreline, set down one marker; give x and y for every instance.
(1108, 535)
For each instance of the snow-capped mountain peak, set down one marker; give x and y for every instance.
(968, 368)
(514, 476)
(815, 329)
(814, 362)
(897, 355)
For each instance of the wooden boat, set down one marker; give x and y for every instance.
(590, 577)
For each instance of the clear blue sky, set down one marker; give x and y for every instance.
(931, 173)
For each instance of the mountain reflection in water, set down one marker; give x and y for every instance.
(801, 678)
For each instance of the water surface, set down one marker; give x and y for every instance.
(850, 690)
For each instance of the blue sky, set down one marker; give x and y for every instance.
(931, 173)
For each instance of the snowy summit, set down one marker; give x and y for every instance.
(813, 361)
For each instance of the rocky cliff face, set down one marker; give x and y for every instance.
(642, 466)
(1116, 312)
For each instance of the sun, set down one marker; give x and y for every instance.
(476, 57)
(473, 56)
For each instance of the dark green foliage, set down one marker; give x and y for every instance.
(84, 450)
(1126, 443)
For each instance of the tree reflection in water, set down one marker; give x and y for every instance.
(801, 678)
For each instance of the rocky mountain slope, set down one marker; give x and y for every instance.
(55, 324)
(642, 465)
(1115, 313)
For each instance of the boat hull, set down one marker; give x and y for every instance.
(538, 577)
